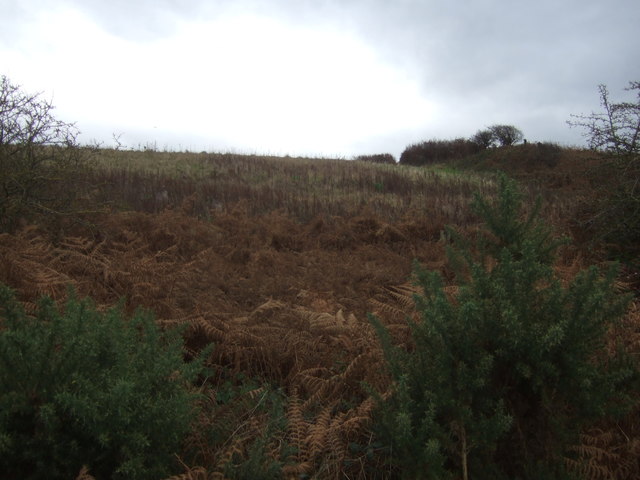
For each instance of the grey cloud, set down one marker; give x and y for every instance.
(544, 56)
(517, 58)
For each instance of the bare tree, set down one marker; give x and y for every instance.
(617, 128)
(506, 135)
(615, 208)
(40, 161)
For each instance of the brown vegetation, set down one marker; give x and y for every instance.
(277, 262)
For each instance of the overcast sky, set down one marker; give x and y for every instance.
(318, 77)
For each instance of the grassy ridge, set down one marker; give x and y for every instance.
(300, 187)
(304, 188)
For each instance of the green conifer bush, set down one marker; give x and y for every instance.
(505, 372)
(83, 387)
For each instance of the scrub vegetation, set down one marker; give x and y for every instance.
(281, 317)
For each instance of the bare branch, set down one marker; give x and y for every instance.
(616, 129)
(38, 156)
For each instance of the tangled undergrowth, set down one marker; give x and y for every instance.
(285, 304)
(282, 302)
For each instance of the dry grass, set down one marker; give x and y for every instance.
(300, 187)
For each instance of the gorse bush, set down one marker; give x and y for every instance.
(436, 151)
(377, 158)
(544, 152)
(80, 387)
(504, 372)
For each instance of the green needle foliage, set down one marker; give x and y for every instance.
(503, 374)
(80, 387)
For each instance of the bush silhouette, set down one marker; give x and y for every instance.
(377, 158)
(437, 151)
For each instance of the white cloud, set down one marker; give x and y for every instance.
(254, 81)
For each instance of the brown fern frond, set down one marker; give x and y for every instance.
(352, 321)
(594, 453)
(604, 455)
(235, 447)
(359, 366)
(387, 309)
(84, 474)
(321, 321)
(214, 330)
(340, 339)
(395, 303)
(318, 439)
(403, 295)
(356, 421)
(30, 308)
(256, 392)
(313, 373)
(297, 427)
(588, 470)
(322, 395)
(82, 244)
(192, 473)
(318, 385)
(266, 310)
(365, 409)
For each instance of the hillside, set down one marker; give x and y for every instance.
(278, 262)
